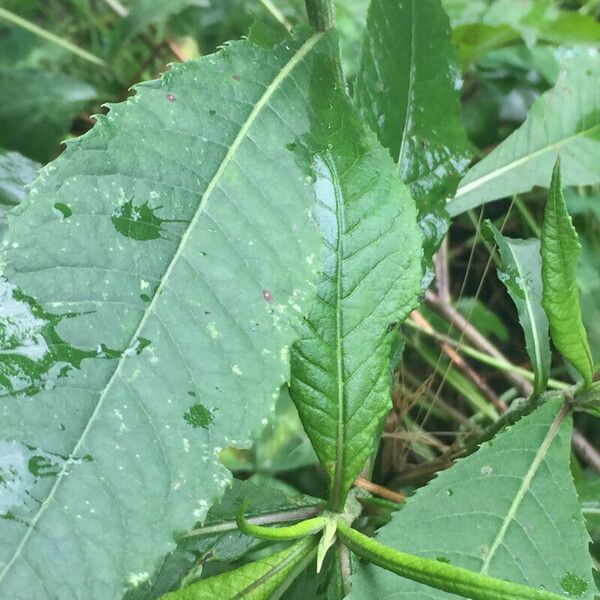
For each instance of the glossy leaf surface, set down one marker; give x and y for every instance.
(407, 90)
(371, 278)
(146, 316)
(37, 108)
(521, 273)
(564, 120)
(509, 511)
(560, 254)
(259, 580)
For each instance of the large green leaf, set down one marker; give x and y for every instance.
(371, 278)
(36, 110)
(259, 580)
(407, 92)
(564, 120)
(560, 253)
(152, 276)
(521, 273)
(510, 511)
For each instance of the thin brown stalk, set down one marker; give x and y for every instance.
(580, 444)
(462, 364)
(379, 490)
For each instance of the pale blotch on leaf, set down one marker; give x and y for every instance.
(136, 579)
(33, 355)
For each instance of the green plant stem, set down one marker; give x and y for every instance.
(437, 574)
(51, 37)
(529, 218)
(277, 14)
(321, 14)
(290, 532)
(283, 516)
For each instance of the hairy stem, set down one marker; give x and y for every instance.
(321, 14)
(437, 574)
(50, 37)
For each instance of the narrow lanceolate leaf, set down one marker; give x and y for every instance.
(371, 275)
(509, 511)
(151, 279)
(560, 253)
(565, 119)
(521, 273)
(407, 90)
(263, 579)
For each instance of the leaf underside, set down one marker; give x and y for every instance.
(565, 120)
(152, 277)
(521, 273)
(510, 511)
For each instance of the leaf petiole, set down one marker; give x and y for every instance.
(289, 532)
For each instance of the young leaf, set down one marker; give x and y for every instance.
(259, 580)
(371, 278)
(407, 91)
(153, 275)
(560, 253)
(521, 273)
(565, 119)
(509, 511)
(36, 110)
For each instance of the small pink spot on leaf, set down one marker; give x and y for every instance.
(268, 296)
(171, 97)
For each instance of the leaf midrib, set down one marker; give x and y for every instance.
(298, 56)
(533, 320)
(540, 455)
(409, 90)
(462, 190)
(338, 479)
(302, 547)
